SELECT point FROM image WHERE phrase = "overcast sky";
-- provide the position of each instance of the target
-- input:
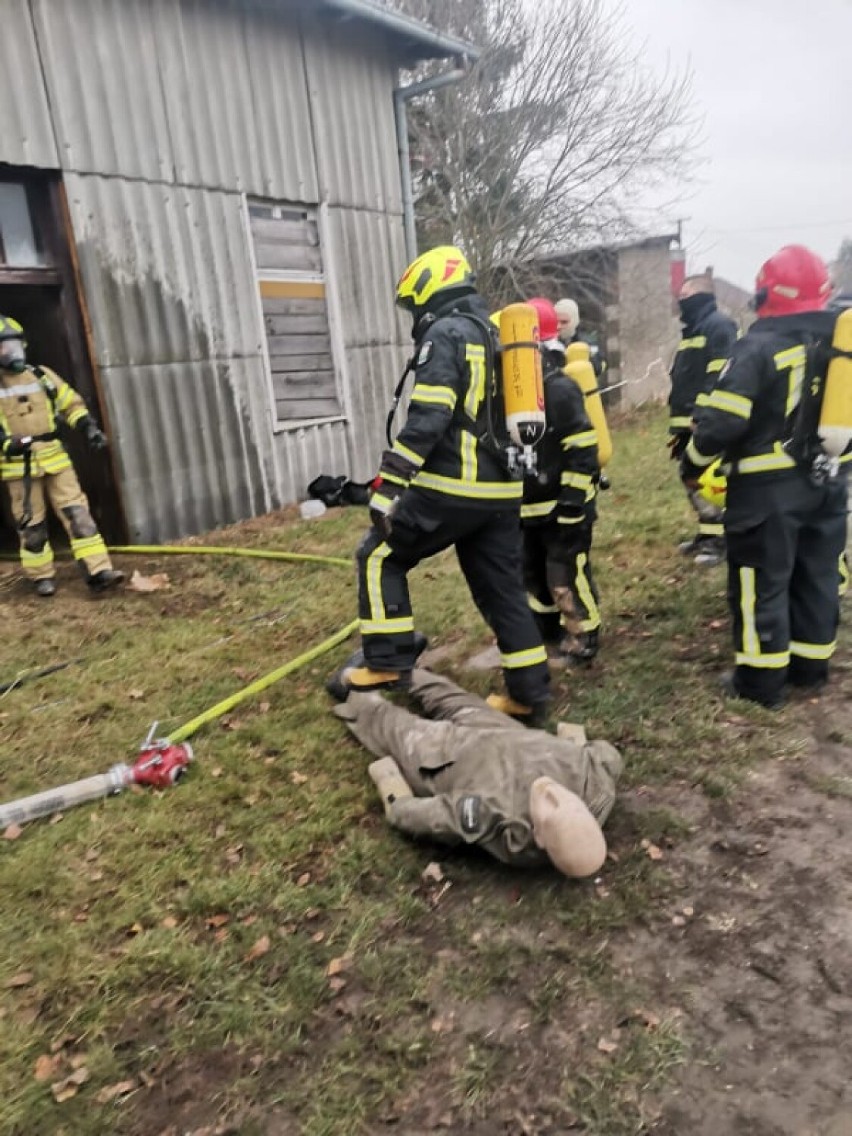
(773, 82)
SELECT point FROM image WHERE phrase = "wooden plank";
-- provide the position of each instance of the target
(286, 364)
(273, 307)
(305, 384)
(285, 232)
(307, 408)
(297, 258)
(292, 289)
(298, 344)
(297, 325)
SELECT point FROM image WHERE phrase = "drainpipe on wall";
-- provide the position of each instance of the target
(401, 96)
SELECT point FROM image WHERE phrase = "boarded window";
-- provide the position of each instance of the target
(295, 315)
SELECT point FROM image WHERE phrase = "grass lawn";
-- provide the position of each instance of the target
(255, 951)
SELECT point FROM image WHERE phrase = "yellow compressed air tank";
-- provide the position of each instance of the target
(523, 385)
(580, 369)
(835, 419)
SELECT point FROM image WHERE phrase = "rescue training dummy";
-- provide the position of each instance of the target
(445, 482)
(559, 511)
(780, 417)
(36, 468)
(706, 342)
(468, 774)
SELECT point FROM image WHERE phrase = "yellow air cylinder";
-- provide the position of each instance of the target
(835, 419)
(523, 385)
(580, 369)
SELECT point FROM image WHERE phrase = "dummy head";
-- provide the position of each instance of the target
(565, 829)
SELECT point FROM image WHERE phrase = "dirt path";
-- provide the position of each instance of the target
(761, 964)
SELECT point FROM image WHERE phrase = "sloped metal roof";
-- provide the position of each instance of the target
(415, 40)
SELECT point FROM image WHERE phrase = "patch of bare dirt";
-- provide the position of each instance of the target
(761, 963)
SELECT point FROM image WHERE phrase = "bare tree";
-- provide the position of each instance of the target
(541, 148)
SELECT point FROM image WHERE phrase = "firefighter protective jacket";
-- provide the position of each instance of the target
(567, 467)
(440, 443)
(701, 354)
(31, 405)
(750, 415)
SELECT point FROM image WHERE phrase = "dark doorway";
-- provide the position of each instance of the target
(39, 288)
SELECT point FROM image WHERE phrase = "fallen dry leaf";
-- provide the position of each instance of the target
(298, 778)
(607, 1046)
(303, 880)
(169, 922)
(12, 832)
(264, 707)
(136, 694)
(260, 948)
(338, 965)
(140, 583)
(66, 1089)
(22, 978)
(218, 920)
(652, 851)
(46, 1067)
(336, 984)
(119, 1089)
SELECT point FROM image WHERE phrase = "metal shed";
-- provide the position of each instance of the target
(200, 227)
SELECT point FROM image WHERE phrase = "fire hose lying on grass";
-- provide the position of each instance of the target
(163, 761)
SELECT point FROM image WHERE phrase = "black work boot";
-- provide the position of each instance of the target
(582, 648)
(105, 579)
(45, 587)
(730, 689)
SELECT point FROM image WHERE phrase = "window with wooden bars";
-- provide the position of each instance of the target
(290, 277)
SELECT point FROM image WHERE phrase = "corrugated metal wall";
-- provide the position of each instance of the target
(27, 133)
(165, 112)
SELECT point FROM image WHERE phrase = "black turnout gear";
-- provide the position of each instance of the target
(785, 530)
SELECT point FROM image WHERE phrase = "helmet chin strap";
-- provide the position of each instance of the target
(758, 299)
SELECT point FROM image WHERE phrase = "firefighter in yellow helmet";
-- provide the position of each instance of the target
(442, 483)
(36, 469)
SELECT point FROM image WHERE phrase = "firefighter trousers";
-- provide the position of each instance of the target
(68, 501)
(487, 542)
(785, 537)
(561, 588)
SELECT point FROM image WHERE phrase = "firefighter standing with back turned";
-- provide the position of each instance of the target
(440, 485)
(559, 511)
(36, 468)
(785, 519)
(706, 343)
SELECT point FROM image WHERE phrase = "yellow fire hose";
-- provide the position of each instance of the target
(257, 553)
(262, 683)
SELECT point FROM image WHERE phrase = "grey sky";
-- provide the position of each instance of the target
(773, 81)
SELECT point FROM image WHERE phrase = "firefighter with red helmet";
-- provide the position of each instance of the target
(443, 483)
(785, 516)
(36, 469)
(705, 344)
(559, 512)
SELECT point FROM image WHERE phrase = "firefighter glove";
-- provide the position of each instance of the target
(383, 503)
(17, 446)
(96, 439)
(677, 443)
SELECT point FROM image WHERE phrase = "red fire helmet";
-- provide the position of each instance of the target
(793, 280)
(547, 326)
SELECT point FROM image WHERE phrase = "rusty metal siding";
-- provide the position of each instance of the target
(27, 133)
(351, 80)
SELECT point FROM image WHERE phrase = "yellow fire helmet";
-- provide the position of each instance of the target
(713, 485)
(441, 269)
